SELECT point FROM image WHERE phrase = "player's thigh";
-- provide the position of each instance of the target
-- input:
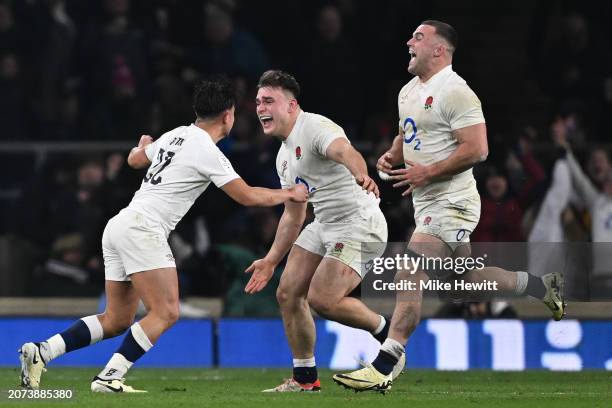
(299, 270)
(158, 289)
(428, 245)
(121, 303)
(333, 280)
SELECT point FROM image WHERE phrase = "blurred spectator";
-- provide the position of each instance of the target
(52, 64)
(223, 48)
(76, 204)
(83, 211)
(330, 73)
(171, 104)
(114, 58)
(499, 213)
(598, 166)
(570, 67)
(599, 204)
(526, 174)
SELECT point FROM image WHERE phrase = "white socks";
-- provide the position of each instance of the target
(393, 347)
(55, 346)
(304, 362)
(141, 337)
(52, 348)
(521, 282)
(116, 368)
(381, 325)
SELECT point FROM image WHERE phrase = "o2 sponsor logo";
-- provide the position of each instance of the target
(299, 180)
(410, 132)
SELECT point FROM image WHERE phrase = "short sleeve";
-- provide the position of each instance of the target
(216, 167)
(282, 165)
(324, 132)
(462, 108)
(151, 149)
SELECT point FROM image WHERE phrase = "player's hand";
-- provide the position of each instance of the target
(145, 140)
(415, 175)
(367, 184)
(384, 163)
(262, 271)
(299, 193)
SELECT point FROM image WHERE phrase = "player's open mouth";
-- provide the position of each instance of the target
(265, 120)
(412, 54)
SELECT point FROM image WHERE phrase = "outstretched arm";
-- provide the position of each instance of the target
(580, 181)
(341, 151)
(249, 196)
(287, 232)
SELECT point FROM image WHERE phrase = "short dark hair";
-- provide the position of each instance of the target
(212, 96)
(445, 31)
(276, 78)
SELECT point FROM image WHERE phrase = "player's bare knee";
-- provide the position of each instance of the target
(168, 313)
(286, 297)
(114, 325)
(282, 296)
(323, 305)
(172, 313)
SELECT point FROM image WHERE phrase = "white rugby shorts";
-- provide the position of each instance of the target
(451, 222)
(346, 240)
(134, 243)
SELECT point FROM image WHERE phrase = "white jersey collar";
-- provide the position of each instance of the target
(196, 129)
(296, 126)
(443, 73)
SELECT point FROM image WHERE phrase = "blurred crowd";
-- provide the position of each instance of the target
(111, 70)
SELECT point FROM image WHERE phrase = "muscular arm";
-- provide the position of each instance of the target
(137, 158)
(249, 196)
(287, 231)
(473, 149)
(341, 151)
(395, 155)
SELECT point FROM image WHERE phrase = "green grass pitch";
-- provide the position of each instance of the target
(176, 388)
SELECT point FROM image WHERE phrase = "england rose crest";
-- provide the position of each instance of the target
(428, 102)
(298, 153)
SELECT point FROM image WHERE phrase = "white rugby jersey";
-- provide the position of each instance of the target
(333, 192)
(183, 163)
(429, 113)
